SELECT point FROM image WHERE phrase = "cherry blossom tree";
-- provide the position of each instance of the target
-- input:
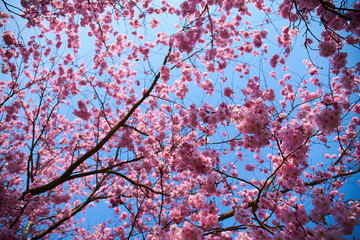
(197, 119)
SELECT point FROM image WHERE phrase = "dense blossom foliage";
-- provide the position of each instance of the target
(192, 119)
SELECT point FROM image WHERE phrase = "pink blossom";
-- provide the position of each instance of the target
(273, 74)
(327, 48)
(154, 23)
(269, 94)
(224, 33)
(327, 120)
(210, 54)
(314, 71)
(83, 113)
(165, 73)
(228, 92)
(248, 47)
(9, 38)
(242, 216)
(257, 40)
(263, 33)
(338, 62)
(207, 86)
(249, 167)
(274, 60)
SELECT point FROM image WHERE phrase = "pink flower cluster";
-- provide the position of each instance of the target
(247, 47)
(285, 10)
(228, 92)
(181, 89)
(154, 23)
(328, 119)
(269, 94)
(210, 54)
(286, 37)
(347, 217)
(257, 40)
(188, 157)
(8, 200)
(83, 113)
(188, 8)
(322, 205)
(12, 111)
(211, 182)
(307, 5)
(178, 214)
(215, 117)
(208, 215)
(165, 73)
(157, 233)
(327, 48)
(274, 60)
(9, 38)
(186, 42)
(349, 80)
(190, 232)
(242, 216)
(126, 140)
(252, 120)
(295, 217)
(207, 86)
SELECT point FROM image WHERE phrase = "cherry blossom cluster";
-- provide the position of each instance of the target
(327, 48)
(329, 119)
(83, 113)
(252, 120)
(208, 216)
(9, 38)
(186, 42)
(348, 80)
(242, 216)
(188, 157)
(338, 62)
